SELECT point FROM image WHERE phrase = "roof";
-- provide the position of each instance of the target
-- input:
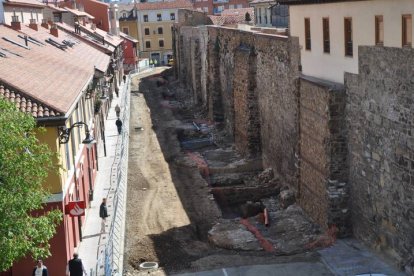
(176, 4)
(111, 39)
(262, 2)
(130, 38)
(234, 16)
(88, 36)
(237, 11)
(305, 2)
(79, 13)
(27, 105)
(56, 8)
(32, 3)
(49, 76)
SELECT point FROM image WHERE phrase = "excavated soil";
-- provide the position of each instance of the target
(170, 208)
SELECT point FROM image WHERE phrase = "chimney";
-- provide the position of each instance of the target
(44, 24)
(33, 24)
(15, 23)
(54, 30)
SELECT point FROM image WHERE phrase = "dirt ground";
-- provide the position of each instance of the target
(169, 207)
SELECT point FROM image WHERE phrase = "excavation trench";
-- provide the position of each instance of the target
(201, 198)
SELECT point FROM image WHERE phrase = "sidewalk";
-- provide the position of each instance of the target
(93, 242)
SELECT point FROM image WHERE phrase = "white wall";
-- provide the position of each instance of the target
(333, 65)
(152, 15)
(27, 14)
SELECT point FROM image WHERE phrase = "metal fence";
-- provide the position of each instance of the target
(111, 261)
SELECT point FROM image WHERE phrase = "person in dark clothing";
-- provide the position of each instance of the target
(119, 125)
(40, 269)
(124, 77)
(103, 214)
(75, 266)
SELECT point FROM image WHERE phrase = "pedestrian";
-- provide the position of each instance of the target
(117, 92)
(117, 110)
(40, 269)
(75, 266)
(155, 63)
(119, 125)
(124, 77)
(150, 62)
(103, 214)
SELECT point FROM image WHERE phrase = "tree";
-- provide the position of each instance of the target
(25, 229)
(247, 17)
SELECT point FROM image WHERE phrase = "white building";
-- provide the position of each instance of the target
(25, 11)
(330, 32)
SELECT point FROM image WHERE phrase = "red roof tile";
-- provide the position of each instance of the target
(44, 73)
(164, 5)
(25, 3)
(233, 16)
(27, 105)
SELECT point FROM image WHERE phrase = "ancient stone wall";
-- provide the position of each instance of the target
(381, 150)
(323, 189)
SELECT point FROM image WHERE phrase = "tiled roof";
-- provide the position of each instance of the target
(45, 73)
(88, 36)
(238, 11)
(164, 5)
(304, 2)
(262, 2)
(25, 3)
(130, 38)
(109, 38)
(79, 13)
(56, 8)
(236, 16)
(27, 105)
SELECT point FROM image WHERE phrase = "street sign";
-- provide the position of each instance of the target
(75, 208)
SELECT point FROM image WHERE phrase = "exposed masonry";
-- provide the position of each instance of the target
(347, 151)
(381, 150)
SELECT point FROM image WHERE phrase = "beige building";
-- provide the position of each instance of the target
(330, 33)
(154, 21)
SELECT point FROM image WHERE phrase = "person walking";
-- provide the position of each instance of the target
(117, 110)
(124, 78)
(103, 214)
(155, 62)
(40, 269)
(150, 62)
(75, 266)
(118, 123)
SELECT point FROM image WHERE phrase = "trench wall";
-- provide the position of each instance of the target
(381, 150)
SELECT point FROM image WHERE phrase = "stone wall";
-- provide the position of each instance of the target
(323, 190)
(381, 150)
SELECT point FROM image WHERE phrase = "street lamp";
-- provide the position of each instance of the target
(64, 135)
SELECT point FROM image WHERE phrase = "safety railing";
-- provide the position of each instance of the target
(111, 262)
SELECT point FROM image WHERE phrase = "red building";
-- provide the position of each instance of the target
(130, 52)
(57, 90)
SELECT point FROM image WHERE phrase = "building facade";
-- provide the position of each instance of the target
(154, 23)
(57, 105)
(26, 11)
(330, 33)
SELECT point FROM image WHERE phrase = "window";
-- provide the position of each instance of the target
(145, 18)
(124, 15)
(307, 34)
(161, 43)
(348, 37)
(407, 30)
(125, 30)
(159, 30)
(159, 18)
(239, 6)
(231, 6)
(326, 39)
(146, 30)
(205, 9)
(147, 44)
(379, 30)
(172, 16)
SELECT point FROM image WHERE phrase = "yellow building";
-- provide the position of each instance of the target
(153, 21)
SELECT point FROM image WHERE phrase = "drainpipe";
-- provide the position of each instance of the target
(2, 21)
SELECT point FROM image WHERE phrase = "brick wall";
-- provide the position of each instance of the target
(381, 150)
(323, 188)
